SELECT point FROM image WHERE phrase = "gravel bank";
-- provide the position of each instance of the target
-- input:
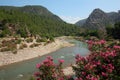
(28, 53)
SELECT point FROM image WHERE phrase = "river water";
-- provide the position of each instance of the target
(23, 70)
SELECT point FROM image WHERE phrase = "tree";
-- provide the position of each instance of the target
(114, 31)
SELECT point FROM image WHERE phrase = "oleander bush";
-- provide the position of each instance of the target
(48, 70)
(103, 63)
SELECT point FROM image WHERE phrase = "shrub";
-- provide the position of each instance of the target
(34, 45)
(29, 40)
(51, 39)
(4, 49)
(114, 32)
(95, 46)
(48, 70)
(8, 45)
(18, 41)
(43, 40)
(5, 43)
(23, 46)
(38, 40)
(14, 51)
(0, 45)
(102, 64)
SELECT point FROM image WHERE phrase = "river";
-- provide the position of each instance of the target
(23, 70)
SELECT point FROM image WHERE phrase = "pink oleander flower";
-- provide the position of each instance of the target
(68, 77)
(38, 65)
(76, 78)
(116, 47)
(109, 70)
(45, 61)
(54, 75)
(49, 58)
(91, 67)
(48, 62)
(98, 63)
(61, 79)
(90, 42)
(111, 66)
(103, 66)
(61, 61)
(88, 77)
(83, 73)
(80, 79)
(104, 74)
(102, 41)
(94, 78)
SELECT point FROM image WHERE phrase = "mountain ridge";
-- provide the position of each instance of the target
(32, 9)
(99, 19)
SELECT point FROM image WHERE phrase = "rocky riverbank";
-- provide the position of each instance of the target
(28, 53)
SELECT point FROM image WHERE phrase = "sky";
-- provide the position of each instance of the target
(70, 11)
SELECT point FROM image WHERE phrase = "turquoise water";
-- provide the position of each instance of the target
(23, 70)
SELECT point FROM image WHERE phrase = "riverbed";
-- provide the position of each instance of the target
(23, 70)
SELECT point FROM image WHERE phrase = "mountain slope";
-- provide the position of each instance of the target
(34, 20)
(98, 19)
(35, 10)
(81, 22)
(114, 16)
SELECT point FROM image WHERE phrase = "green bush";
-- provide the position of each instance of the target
(42, 40)
(14, 51)
(4, 43)
(34, 45)
(8, 45)
(38, 40)
(18, 41)
(114, 32)
(4, 49)
(23, 46)
(0, 45)
(29, 40)
(51, 39)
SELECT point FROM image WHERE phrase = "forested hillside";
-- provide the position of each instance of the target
(33, 20)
